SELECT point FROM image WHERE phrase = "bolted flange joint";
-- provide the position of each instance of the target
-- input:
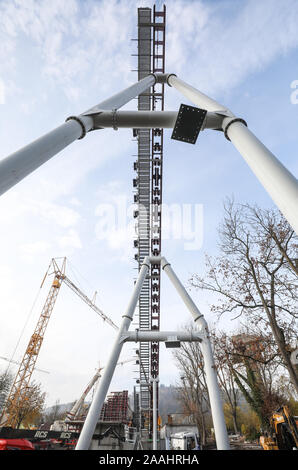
(162, 77)
(77, 119)
(228, 122)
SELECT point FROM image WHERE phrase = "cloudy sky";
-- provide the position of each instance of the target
(59, 58)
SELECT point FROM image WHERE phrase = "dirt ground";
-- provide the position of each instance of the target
(236, 444)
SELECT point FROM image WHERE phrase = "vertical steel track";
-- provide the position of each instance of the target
(158, 65)
(143, 198)
(148, 186)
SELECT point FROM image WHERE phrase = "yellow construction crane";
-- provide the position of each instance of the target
(20, 389)
(11, 361)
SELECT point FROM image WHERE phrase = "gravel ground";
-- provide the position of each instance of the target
(235, 445)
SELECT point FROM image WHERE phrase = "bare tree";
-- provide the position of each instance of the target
(6, 379)
(273, 225)
(193, 393)
(225, 375)
(55, 412)
(31, 405)
(254, 364)
(255, 276)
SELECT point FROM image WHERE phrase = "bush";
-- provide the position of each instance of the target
(250, 432)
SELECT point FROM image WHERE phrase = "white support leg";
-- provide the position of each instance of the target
(101, 392)
(21, 163)
(154, 411)
(197, 97)
(221, 435)
(280, 184)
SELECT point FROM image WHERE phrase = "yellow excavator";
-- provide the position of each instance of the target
(283, 434)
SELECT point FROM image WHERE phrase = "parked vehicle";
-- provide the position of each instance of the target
(283, 434)
(185, 441)
(16, 444)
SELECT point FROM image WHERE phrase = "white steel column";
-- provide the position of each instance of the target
(102, 389)
(276, 179)
(221, 435)
(158, 336)
(120, 99)
(154, 411)
(281, 185)
(148, 119)
(194, 95)
(21, 163)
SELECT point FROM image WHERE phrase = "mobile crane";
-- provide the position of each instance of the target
(74, 412)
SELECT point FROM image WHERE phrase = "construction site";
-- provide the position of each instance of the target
(106, 419)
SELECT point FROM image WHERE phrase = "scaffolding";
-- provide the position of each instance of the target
(115, 408)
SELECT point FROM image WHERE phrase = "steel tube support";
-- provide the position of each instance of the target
(154, 411)
(148, 119)
(280, 184)
(20, 164)
(120, 99)
(158, 336)
(221, 435)
(102, 389)
(136, 119)
(197, 97)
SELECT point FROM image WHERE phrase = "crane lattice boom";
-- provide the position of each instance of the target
(20, 389)
(89, 302)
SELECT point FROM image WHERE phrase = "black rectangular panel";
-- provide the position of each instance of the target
(188, 123)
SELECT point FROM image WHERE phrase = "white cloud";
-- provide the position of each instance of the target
(2, 92)
(60, 215)
(50, 212)
(71, 37)
(6, 278)
(75, 202)
(115, 224)
(29, 251)
(215, 50)
(69, 241)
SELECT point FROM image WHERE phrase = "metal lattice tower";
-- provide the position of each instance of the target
(158, 66)
(143, 199)
(151, 59)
